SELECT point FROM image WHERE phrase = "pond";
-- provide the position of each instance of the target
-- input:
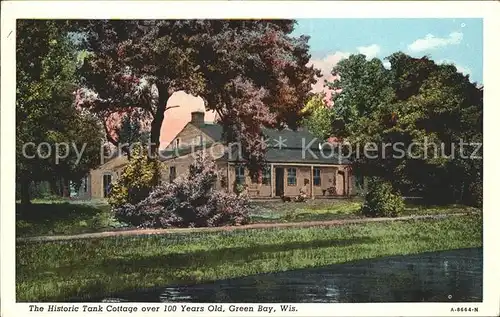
(448, 276)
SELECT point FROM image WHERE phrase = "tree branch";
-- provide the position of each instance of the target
(115, 142)
(109, 138)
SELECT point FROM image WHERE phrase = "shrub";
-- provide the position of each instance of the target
(137, 179)
(239, 188)
(189, 201)
(474, 196)
(382, 201)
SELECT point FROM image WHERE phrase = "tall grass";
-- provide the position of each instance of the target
(58, 271)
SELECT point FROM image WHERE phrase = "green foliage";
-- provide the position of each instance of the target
(318, 117)
(475, 194)
(60, 218)
(117, 264)
(37, 190)
(46, 64)
(239, 188)
(191, 200)
(382, 201)
(137, 180)
(253, 73)
(130, 131)
(417, 103)
(365, 86)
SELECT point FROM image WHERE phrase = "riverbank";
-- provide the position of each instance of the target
(86, 268)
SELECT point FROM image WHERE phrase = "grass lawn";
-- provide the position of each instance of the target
(58, 271)
(61, 217)
(326, 209)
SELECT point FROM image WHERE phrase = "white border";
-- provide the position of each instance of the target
(489, 10)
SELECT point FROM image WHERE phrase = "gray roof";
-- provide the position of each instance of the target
(212, 130)
(291, 155)
(168, 154)
(289, 138)
(283, 146)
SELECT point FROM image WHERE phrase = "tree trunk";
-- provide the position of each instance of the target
(65, 188)
(158, 118)
(54, 189)
(115, 142)
(462, 191)
(25, 192)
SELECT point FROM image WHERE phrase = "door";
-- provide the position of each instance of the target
(173, 174)
(106, 184)
(280, 181)
(342, 175)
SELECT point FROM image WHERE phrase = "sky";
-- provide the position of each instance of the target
(457, 41)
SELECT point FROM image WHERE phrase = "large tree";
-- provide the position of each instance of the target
(46, 63)
(252, 73)
(318, 117)
(363, 88)
(416, 101)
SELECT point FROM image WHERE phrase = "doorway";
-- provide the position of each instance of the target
(280, 181)
(342, 175)
(106, 184)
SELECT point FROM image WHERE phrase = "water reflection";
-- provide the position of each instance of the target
(450, 276)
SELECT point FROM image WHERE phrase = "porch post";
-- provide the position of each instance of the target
(272, 180)
(348, 181)
(227, 179)
(311, 182)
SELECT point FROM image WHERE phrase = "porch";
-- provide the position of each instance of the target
(290, 179)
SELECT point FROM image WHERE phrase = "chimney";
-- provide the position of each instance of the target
(198, 117)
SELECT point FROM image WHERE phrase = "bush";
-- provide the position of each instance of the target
(239, 188)
(189, 201)
(382, 201)
(474, 196)
(136, 181)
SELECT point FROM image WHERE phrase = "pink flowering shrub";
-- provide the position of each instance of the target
(189, 201)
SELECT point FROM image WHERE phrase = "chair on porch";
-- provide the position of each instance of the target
(330, 190)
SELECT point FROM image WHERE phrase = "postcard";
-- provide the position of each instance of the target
(249, 158)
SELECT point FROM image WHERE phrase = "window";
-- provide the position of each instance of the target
(106, 184)
(173, 173)
(240, 174)
(317, 176)
(266, 175)
(291, 177)
(177, 143)
(199, 140)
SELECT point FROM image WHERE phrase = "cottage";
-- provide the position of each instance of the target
(295, 162)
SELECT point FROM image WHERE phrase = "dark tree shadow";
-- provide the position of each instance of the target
(39, 213)
(43, 219)
(215, 257)
(179, 261)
